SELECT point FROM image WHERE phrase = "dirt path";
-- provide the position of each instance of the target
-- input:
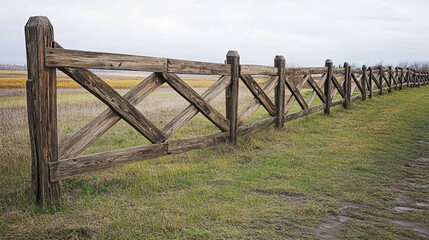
(411, 196)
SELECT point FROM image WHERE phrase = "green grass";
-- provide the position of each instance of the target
(273, 185)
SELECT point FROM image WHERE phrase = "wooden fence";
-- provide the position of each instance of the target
(52, 162)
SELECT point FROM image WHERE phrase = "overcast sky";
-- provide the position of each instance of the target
(306, 32)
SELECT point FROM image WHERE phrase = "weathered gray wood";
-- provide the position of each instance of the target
(337, 102)
(347, 85)
(77, 143)
(364, 80)
(327, 86)
(242, 130)
(313, 94)
(42, 110)
(231, 95)
(305, 112)
(89, 163)
(280, 64)
(195, 99)
(338, 70)
(380, 83)
(258, 70)
(193, 67)
(116, 102)
(296, 93)
(291, 100)
(306, 70)
(198, 142)
(357, 97)
(56, 57)
(187, 114)
(370, 83)
(358, 82)
(317, 89)
(390, 79)
(259, 94)
(338, 86)
(254, 104)
(400, 73)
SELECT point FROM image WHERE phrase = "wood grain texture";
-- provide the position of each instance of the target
(327, 86)
(198, 142)
(194, 67)
(347, 85)
(279, 96)
(78, 142)
(364, 80)
(296, 93)
(242, 130)
(89, 163)
(291, 100)
(187, 114)
(57, 57)
(313, 94)
(231, 95)
(305, 112)
(317, 89)
(258, 70)
(306, 70)
(338, 86)
(358, 82)
(254, 104)
(195, 99)
(42, 110)
(259, 94)
(116, 102)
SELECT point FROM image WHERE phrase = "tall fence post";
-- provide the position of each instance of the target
(280, 63)
(231, 95)
(363, 81)
(407, 77)
(381, 80)
(400, 77)
(370, 82)
(42, 109)
(327, 86)
(347, 85)
(390, 80)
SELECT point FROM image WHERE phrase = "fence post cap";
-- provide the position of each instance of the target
(328, 62)
(279, 57)
(232, 53)
(38, 21)
(364, 67)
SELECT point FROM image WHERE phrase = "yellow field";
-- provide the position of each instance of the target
(17, 79)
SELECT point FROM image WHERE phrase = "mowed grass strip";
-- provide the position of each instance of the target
(273, 185)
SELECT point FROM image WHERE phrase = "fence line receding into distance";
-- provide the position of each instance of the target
(52, 162)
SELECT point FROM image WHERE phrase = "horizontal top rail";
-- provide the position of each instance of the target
(307, 70)
(57, 57)
(259, 70)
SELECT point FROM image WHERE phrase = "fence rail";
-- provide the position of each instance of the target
(53, 162)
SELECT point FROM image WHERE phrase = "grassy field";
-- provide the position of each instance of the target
(360, 173)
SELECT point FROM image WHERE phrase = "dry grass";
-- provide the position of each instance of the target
(273, 185)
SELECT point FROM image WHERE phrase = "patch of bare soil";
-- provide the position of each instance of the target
(333, 226)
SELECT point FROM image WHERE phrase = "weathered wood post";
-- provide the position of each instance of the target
(327, 86)
(381, 80)
(347, 85)
(370, 83)
(42, 109)
(407, 77)
(231, 95)
(280, 63)
(363, 81)
(389, 83)
(400, 77)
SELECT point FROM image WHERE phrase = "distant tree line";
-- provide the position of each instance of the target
(13, 67)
